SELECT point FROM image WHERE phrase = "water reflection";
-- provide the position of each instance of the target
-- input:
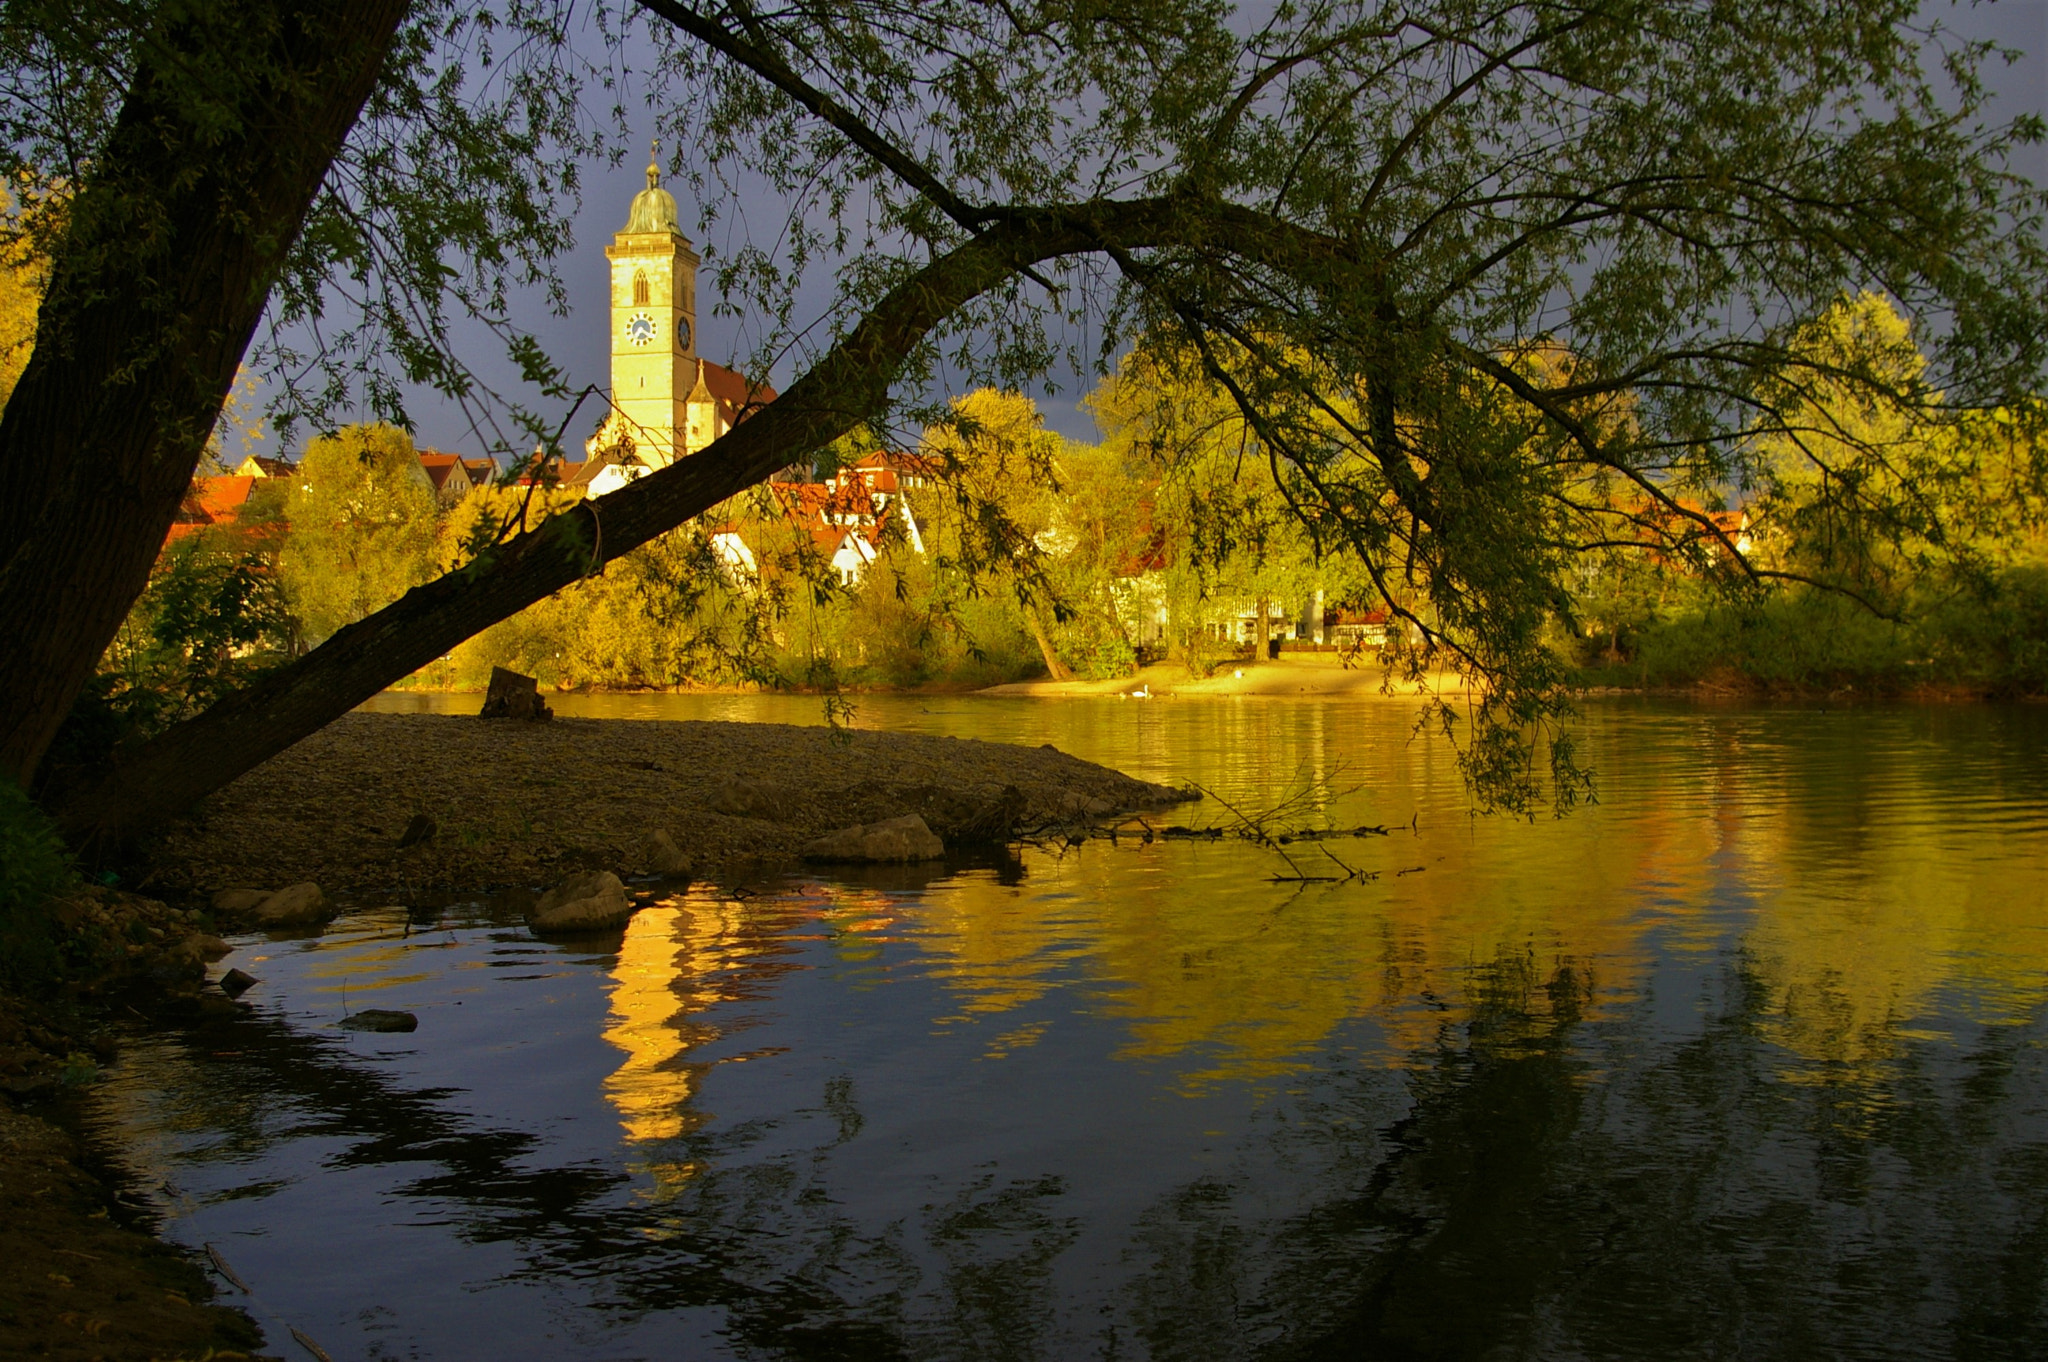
(1745, 1062)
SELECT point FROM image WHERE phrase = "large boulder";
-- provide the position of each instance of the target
(592, 902)
(238, 900)
(659, 855)
(296, 905)
(892, 839)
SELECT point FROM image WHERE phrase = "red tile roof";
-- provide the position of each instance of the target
(734, 389)
(212, 501)
(441, 467)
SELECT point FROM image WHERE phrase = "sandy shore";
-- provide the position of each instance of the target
(524, 804)
(1289, 674)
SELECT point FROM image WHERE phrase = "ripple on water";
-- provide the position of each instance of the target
(1756, 1038)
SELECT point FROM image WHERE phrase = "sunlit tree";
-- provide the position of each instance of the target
(363, 526)
(1356, 216)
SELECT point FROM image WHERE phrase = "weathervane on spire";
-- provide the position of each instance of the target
(653, 159)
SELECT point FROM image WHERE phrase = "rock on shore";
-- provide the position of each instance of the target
(893, 839)
(594, 902)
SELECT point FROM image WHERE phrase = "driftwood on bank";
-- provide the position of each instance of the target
(1140, 830)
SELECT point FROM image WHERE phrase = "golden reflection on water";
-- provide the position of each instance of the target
(1853, 910)
(651, 1089)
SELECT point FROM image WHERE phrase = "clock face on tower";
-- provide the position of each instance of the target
(682, 331)
(640, 328)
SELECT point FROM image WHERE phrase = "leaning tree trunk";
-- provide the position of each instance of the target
(172, 772)
(172, 246)
(847, 386)
(1054, 667)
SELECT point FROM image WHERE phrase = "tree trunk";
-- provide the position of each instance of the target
(1056, 669)
(178, 768)
(1264, 633)
(172, 246)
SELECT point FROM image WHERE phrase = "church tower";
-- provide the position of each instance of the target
(654, 327)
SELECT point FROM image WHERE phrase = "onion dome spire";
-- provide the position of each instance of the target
(654, 208)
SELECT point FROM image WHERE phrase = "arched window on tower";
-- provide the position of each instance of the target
(639, 288)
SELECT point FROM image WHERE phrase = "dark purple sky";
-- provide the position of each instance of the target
(578, 341)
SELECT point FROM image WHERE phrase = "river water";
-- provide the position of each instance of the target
(1745, 1061)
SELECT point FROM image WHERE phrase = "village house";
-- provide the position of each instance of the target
(455, 476)
(848, 516)
(447, 474)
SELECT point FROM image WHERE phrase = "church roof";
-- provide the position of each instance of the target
(654, 208)
(725, 385)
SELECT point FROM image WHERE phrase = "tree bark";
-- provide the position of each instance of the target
(172, 246)
(1056, 669)
(175, 770)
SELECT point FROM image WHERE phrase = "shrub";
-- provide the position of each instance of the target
(34, 868)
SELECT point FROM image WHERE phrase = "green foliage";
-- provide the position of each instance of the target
(35, 867)
(1459, 270)
(363, 525)
(213, 618)
(1099, 655)
(1990, 638)
(1997, 638)
(1889, 547)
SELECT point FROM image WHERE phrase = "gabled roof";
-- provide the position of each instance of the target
(221, 498)
(580, 473)
(731, 396)
(441, 468)
(887, 472)
(897, 461)
(212, 501)
(267, 467)
(718, 383)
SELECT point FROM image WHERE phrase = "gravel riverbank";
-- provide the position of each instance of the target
(523, 804)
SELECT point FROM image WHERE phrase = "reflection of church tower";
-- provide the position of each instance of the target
(665, 399)
(654, 315)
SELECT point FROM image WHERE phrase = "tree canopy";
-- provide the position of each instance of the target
(1481, 280)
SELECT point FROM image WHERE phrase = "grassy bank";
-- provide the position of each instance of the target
(1986, 645)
